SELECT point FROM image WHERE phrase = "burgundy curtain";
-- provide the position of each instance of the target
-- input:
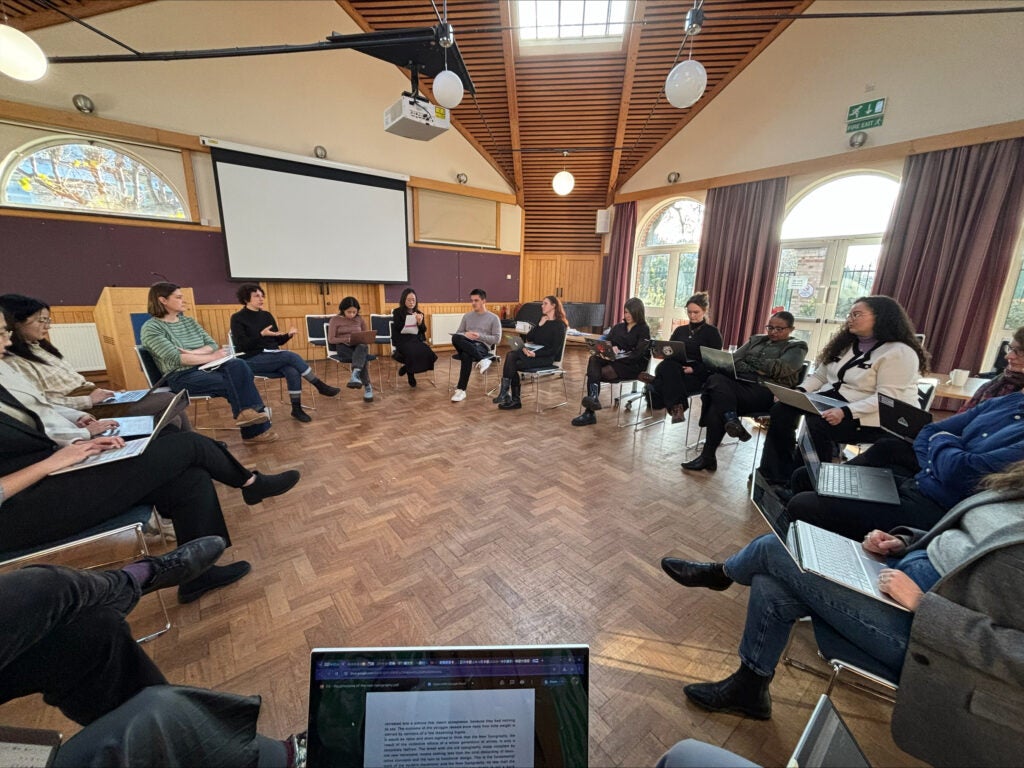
(950, 243)
(739, 255)
(615, 275)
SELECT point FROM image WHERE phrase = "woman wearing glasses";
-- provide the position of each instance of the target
(874, 352)
(1010, 380)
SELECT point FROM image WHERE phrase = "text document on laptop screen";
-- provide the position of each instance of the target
(288, 220)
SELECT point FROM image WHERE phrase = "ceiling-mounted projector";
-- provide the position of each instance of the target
(416, 119)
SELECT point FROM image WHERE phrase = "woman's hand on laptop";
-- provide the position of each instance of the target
(833, 415)
(100, 426)
(882, 543)
(900, 587)
(98, 395)
(73, 454)
(108, 443)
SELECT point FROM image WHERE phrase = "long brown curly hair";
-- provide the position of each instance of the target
(891, 324)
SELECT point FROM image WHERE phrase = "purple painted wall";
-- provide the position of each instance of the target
(440, 275)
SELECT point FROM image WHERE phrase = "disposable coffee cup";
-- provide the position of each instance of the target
(958, 377)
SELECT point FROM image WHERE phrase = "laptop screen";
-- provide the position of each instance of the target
(827, 742)
(459, 706)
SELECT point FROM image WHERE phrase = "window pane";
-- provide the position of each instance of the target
(679, 223)
(851, 205)
(685, 278)
(1015, 316)
(858, 276)
(798, 286)
(652, 279)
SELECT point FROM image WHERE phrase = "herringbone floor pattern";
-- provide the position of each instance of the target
(423, 522)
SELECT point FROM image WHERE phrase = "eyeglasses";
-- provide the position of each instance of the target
(855, 315)
(44, 320)
(777, 328)
(1014, 349)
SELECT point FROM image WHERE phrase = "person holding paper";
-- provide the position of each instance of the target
(257, 341)
(34, 357)
(408, 337)
(181, 347)
(478, 332)
(549, 333)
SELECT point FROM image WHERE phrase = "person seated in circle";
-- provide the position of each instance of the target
(180, 345)
(772, 356)
(408, 336)
(550, 334)
(339, 335)
(874, 352)
(258, 341)
(33, 356)
(676, 379)
(632, 337)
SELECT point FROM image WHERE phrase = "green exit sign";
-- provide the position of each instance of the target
(871, 108)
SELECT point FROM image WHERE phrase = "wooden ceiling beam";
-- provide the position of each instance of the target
(512, 95)
(625, 98)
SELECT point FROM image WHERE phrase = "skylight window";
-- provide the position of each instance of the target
(542, 21)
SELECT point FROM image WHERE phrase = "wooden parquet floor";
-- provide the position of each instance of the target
(424, 522)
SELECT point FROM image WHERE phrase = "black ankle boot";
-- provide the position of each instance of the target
(265, 486)
(734, 427)
(514, 401)
(412, 379)
(585, 419)
(300, 414)
(710, 463)
(503, 395)
(744, 692)
(324, 388)
(592, 401)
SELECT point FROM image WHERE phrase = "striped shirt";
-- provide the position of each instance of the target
(164, 341)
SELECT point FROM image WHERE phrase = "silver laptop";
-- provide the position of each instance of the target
(130, 449)
(827, 742)
(455, 706)
(901, 419)
(721, 361)
(805, 401)
(848, 481)
(133, 395)
(517, 342)
(815, 550)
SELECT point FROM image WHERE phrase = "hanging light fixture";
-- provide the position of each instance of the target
(20, 55)
(563, 182)
(688, 79)
(447, 87)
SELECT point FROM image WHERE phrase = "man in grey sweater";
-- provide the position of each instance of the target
(478, 332)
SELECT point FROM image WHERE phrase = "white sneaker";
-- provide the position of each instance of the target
(484, 364)
(459, 396)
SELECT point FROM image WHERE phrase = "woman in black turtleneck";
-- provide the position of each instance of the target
(674, 381)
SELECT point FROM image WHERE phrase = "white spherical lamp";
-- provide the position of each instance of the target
(563, 182)
(448, 89)
(20, 56)
(686, 83)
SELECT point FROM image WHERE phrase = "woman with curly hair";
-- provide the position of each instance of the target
(874, 352)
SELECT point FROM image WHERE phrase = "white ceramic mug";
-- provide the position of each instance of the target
(958, 377)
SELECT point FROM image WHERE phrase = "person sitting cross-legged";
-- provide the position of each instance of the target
(339, 335)
(549, 333)
(478, 332)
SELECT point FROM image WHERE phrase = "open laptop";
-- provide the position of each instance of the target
(827, 742)
(661, 350)
(362, 337)
(901, 419)
(604, 349)
(805, 401)
(130, 449)
(848, 481)
(133, 395)
(722, 361)
(455, 706)
(815, 550)
(517, 342)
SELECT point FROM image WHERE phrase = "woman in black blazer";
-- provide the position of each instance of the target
(408, 336)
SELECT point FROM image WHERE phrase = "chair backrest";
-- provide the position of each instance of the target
(561, 352)
(920, 338)
(1000, 363)
(926, 392)
(381, 325)
(316, 329)
(148, 365)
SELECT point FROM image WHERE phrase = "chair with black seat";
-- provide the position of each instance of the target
(381, 325)
(332, 355)
(83, 551)
(264, 378)
(152, 373)
(493, 356)
(537, 375)
(316, 333)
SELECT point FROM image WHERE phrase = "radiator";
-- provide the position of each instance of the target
(80, 345)
(442, 327)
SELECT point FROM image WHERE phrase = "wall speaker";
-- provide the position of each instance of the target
(604, 221)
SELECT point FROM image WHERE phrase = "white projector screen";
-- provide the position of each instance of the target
(286, 220)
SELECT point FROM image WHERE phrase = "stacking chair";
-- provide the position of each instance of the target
(926, 392)
(381, 325)
(332, 355)
(316, 333)
(264, 378)
(495, 363)
(547, 374)
(152, 373)
(106, 545)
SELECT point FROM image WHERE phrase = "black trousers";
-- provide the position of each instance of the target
(672, 386)
(779, 459)
(175, 474)
(599, 369)
(469, 352)
(516, 361)
(723, 394)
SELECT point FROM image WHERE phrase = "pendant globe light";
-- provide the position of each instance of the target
(688, 79)
(20, 55)
(563, 182)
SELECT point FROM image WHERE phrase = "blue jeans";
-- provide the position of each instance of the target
(780, 595)
(281, 363)
(232, 381)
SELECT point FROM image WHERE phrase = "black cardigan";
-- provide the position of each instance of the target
(398, 315)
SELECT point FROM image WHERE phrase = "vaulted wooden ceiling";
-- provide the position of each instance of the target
(608, 110)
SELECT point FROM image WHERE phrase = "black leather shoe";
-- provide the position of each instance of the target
(511, 404)
(266, 486)
(218, 576)
(585, 419)
(743, 693)
(183, 564)
(690, 574)
(701, 463)
(325, 389)
(735, 428)
(299, 414)
(402, 371)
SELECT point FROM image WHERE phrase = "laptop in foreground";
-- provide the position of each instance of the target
(848, 481)
(827, 742)
(449, 706)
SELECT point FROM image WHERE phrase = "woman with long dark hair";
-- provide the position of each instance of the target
(408, 335)
(549, 333)
(874, 352)
(339, 334)
(630, 338)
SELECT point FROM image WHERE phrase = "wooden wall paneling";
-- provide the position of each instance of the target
(540, 276)
(70, 314)
(216, 319)
(581, 278)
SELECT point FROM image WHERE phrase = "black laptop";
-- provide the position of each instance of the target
(901, 419)
(848, 481)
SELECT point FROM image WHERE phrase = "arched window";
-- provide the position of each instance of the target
(86, 175)
(831, 239)
(665, 263)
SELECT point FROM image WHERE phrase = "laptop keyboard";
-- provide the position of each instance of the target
(128, 449)
(838, 479)
(836, 556)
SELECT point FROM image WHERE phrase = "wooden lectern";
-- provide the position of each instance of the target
(117, 331)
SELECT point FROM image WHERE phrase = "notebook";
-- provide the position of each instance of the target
(805, 401)
(827, 742)
(848, 481)
(28, 747)
(815, 550)
(664, 349)
(901, 419)
(130, 449)
(454, 706)
(215, 364)
(132, 395)
(517, 342)
(604, 349)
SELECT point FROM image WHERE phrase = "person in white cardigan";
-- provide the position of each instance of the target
(875, 351)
